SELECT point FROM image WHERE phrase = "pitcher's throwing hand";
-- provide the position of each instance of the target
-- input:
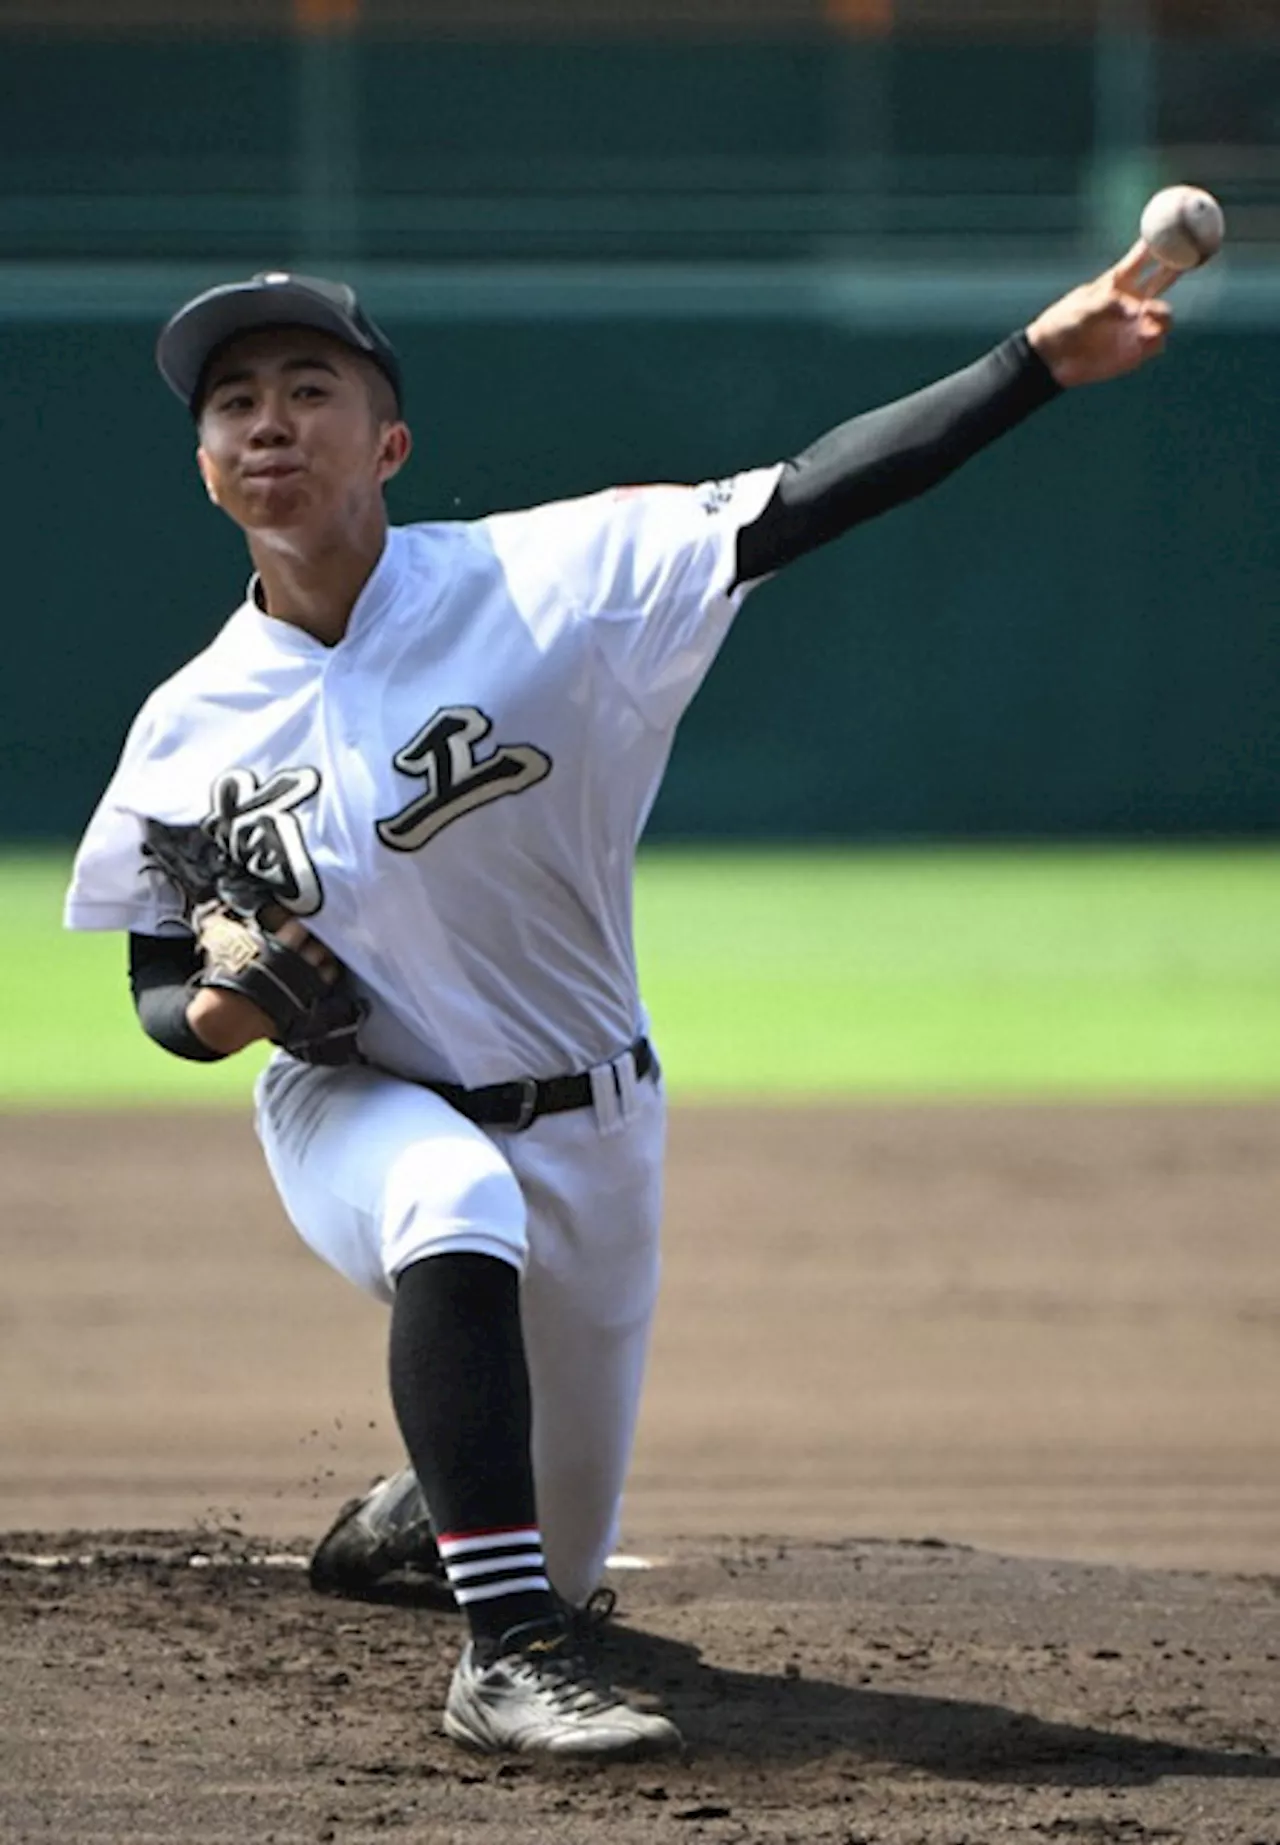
(1104, 329)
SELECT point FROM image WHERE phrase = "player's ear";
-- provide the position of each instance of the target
(394, 448)
(208, 476)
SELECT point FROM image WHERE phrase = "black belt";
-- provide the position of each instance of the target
(515, 1106)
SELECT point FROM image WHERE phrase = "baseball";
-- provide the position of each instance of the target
(1183, 226)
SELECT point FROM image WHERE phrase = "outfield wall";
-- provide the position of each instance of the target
(612, 262)
(1080, 634)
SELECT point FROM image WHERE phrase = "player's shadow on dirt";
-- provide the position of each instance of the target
(780, 1721)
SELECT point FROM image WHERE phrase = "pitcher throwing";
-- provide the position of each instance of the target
(387, 819)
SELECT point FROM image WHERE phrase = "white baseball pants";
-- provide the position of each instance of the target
(376, 1173)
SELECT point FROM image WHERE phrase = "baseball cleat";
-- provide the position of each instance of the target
(386, 1530)
(539, 1697)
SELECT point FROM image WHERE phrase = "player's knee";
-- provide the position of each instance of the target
(465, 1200)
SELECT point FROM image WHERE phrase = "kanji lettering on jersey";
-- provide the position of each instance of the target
(256, 824)
(443, 752)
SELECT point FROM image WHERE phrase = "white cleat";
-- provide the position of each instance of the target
(542, 1699)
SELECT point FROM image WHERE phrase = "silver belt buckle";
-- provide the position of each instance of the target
(528, 1104)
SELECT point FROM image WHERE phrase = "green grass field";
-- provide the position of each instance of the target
(947, 973)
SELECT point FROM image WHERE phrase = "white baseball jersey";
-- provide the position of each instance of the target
(451, 797)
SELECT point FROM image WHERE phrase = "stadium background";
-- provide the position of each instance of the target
(666, 240)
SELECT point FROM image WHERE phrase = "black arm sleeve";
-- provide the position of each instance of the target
(159, 968)
(888, 456)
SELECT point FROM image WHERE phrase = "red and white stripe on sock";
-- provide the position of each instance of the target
(484, 1566)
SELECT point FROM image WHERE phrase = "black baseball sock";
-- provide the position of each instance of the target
(460, 1387)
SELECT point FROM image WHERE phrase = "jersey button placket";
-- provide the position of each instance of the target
(337, 692)
(346, 748)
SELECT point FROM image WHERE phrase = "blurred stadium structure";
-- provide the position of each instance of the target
(662, 239)
(394, 132)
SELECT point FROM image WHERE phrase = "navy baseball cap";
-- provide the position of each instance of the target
(273, 299)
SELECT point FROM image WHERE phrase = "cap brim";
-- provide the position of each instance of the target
(197, 331)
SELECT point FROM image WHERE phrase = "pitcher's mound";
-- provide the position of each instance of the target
(189, 1687)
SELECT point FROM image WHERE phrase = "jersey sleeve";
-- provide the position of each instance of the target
(112, 886)
(663, 587)
(653, 571)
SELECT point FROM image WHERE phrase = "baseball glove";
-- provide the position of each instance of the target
(233, 916)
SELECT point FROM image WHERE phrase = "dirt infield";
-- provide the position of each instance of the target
(1045, 1333)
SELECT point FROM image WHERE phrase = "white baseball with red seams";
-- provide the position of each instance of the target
(1184, 226)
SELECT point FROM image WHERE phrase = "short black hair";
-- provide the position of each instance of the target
(383, 398)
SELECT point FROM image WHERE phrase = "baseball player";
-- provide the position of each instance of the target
(422, 758)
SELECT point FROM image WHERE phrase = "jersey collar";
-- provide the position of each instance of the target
(372, 601)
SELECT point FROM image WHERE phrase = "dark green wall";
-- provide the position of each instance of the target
(189, 146)
(1078, 635)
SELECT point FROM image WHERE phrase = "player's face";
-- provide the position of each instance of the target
(291, 438)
